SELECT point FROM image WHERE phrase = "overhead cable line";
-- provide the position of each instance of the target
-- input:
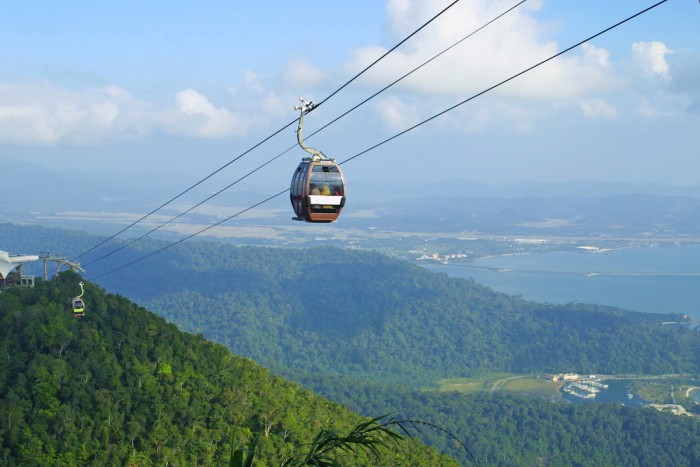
(131, 263)
(141, 219)
(317, 131)
(568, 49)
(388, 52)
(187, 211)
(418, 67)
(267, 138)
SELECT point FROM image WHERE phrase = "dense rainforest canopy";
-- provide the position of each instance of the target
(370, 332)
(360, 313)
(121, 386)
(509, 430)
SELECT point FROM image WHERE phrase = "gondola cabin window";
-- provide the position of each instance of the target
(327, 179)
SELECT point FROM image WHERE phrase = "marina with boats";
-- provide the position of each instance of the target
(581, 389)
(594, 388)
(588, 388)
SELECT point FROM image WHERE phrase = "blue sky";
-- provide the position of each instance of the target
(172, 90)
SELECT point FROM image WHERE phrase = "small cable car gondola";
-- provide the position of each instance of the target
(78, 303)
(317, 191)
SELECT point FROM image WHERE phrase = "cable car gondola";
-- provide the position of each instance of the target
(78, 303)
(317, 191)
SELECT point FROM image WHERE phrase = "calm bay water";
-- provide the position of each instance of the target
(663, 279)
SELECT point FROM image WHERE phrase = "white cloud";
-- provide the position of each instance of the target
(204, 119)
(597, 108)
(396, 114)
(646, 109)
(38, 114)
(652, 58)
(596, 55)
(512, 44)
(506, 114)
(299, 74)
(252, 81)
(587, 82)
(277, 106)
(43, 114)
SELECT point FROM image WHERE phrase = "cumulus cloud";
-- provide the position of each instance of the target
(651, 56)
(38, 114)
(43, 114)
(278, 106)
(510, 45)
(252, 82)
(507, 114)
(204, 119)
(396, 114)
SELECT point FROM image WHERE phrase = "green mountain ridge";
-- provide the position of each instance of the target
(367, 331)
(121, 386)
(360, 313)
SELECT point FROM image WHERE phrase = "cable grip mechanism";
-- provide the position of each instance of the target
(305, 107)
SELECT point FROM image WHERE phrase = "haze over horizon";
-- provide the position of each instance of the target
(174, 91)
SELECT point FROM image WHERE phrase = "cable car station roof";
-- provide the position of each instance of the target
(9, 262)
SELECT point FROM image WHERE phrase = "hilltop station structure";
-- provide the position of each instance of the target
(10, 263)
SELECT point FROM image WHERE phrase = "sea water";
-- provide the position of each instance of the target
(663, 279)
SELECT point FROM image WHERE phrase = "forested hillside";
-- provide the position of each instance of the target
(360, 313)
(507, 430)
(121, 386)
(346, 322)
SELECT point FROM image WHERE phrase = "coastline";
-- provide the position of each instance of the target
(646, 279)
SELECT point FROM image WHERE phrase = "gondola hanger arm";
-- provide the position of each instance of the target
(305, 108)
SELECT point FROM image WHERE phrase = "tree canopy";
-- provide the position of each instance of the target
(122, 386)
(361, 313)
